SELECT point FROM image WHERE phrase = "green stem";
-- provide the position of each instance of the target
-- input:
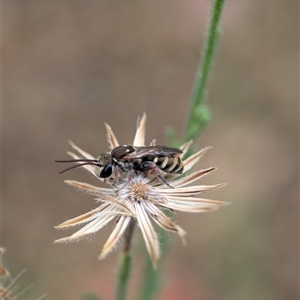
(125, 264)
(152, 277)
(151, 281)
(197, 120)
(123, 276)
(199, 114)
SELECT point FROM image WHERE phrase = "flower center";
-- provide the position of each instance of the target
(138, 191)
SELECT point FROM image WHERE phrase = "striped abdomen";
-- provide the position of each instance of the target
(171, 164)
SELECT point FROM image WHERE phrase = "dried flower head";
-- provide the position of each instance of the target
(10, 287)
(5, 291)
(141, 197)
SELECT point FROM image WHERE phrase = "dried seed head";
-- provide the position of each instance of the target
(138, 191)
(141, 199)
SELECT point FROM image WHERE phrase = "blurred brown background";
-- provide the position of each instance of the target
(70, 66)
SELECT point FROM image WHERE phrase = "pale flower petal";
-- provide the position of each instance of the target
(87, 217)
(111, 138)
(191, 177)
(148, 232)
(153, 143)
(163, 221)
(99, 222)
(185, 147)
(88, 188)
(192, 204)
(82, 152)
(139, 139)
(115, 236)
(185, 199)
(190, 190)
(190, 208)
(193, 159)
(115, 202)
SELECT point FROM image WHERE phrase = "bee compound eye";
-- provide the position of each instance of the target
(106, 171)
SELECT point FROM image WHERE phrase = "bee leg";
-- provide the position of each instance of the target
(161, 178)
(116, 174)
(149, 165)
(128, 179)
(129, 176)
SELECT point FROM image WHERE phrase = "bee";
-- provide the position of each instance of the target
(129, 158)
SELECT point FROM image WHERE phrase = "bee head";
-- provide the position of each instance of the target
(105, 160)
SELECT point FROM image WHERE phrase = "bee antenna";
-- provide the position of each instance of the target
(75, 160)
(84, 162)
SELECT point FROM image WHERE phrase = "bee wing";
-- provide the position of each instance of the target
(154, 151)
